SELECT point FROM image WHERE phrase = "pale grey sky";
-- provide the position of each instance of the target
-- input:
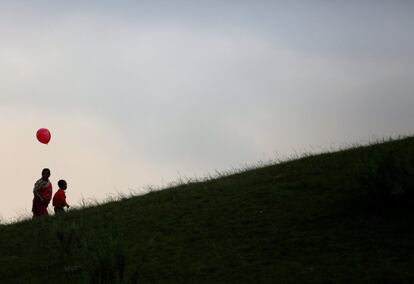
(140, 92)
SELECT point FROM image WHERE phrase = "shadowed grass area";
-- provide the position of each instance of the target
(316, 219)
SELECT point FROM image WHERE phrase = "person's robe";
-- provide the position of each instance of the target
(44, 189)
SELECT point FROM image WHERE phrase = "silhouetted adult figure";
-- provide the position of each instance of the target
(42, 194)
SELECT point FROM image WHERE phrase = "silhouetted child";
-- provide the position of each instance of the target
(59, 199)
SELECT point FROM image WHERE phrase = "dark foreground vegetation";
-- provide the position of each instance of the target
(343, 217)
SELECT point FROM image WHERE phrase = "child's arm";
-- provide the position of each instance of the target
(64, 200)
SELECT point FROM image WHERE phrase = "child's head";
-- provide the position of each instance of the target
(62, 184)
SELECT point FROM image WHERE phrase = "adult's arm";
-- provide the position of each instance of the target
(38, 187)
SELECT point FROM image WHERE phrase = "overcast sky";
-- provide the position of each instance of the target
(140, 93)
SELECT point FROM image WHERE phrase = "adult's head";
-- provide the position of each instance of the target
(62, 184)
(45, 174)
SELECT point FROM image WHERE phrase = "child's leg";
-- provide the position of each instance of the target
(59, 210)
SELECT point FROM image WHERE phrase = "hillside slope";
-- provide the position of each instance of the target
(303, 221)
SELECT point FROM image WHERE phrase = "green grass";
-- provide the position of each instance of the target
(309, 220)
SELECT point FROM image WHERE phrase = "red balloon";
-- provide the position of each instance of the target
(43, 135)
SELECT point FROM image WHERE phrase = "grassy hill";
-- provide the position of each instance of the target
(343, 217)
